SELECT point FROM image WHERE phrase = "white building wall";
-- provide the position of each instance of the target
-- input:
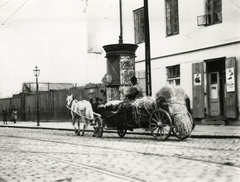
(191, 36)
(193, 43)
(186, 60)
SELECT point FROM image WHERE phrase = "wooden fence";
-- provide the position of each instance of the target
(52, 104)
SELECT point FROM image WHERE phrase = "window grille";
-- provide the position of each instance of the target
(173, 75)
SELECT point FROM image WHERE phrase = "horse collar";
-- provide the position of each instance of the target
(70, 105)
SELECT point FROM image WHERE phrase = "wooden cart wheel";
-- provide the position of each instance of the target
(121, 132)
(98, 127)
(160, 124)
(178, 134)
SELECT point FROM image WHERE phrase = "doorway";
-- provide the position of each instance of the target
(216, 84)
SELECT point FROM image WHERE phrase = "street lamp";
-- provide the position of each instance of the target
(36, 74)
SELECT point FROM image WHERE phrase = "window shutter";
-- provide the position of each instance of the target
(231, 95)
(139, 25)
(136, 27)
(198, 90)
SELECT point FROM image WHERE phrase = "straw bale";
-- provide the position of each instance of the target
(173, 100)
(111, 105)
(180, 93)
(176, 105)
(183, 124)
(166, 92)
(169, 92)
(145, 102)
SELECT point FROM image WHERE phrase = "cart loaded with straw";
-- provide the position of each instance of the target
(168, 114)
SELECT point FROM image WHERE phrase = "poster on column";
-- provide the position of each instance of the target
(230, 80)
(197, 79)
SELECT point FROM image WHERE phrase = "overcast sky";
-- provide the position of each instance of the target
(51, 34)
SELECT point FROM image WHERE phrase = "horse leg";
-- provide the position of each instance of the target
(73, 123)
(79, 131)
(84, 126)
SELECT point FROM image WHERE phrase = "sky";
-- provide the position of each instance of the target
(53, 35)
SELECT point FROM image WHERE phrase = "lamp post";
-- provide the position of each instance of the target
(36, 74)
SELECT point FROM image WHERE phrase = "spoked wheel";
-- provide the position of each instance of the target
(121, 132)
(178, 134)
(98, 127)
(160, 124)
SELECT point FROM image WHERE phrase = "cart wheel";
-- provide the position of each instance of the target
(178, 134)
(121, 132)
(98, 127)
(160, 124)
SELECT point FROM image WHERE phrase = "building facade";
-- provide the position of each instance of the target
(194, 44)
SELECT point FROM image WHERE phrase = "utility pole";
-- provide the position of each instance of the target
(147, 51)
(121, 27)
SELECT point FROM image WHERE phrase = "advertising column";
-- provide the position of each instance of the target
(120, 67)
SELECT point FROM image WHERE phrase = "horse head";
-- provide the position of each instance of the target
(69, 100)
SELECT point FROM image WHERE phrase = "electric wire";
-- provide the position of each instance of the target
(15, 12)
(4, 3)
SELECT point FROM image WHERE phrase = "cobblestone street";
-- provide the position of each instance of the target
(46, 155)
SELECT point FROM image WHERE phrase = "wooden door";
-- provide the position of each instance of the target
(214, 97)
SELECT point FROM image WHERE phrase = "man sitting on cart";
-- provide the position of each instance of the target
(135, 92)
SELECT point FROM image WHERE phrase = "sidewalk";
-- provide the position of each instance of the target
(200, 131)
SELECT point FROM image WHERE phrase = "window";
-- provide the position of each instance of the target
(172, 23)
(213, 11)
(173, 75)
(139, 28)
(141, 80)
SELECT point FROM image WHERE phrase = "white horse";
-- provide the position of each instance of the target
(80, 110)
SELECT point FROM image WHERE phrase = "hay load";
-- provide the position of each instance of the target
(106, 109)
(147, 103)
(141, 109)
(173, 100)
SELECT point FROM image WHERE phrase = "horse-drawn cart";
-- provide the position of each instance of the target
(162, 117)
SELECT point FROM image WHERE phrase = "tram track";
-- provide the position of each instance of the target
(127, 140)
(166, 144)
(69, 162)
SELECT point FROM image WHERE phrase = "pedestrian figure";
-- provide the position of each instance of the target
(14, 116)
(5, 115)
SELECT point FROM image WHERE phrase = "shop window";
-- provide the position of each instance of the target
(172, 22)
(173, 75)
(139, 28)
